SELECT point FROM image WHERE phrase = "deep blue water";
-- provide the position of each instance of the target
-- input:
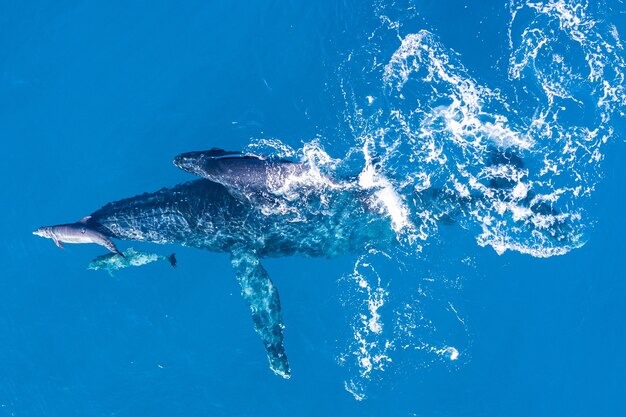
(96, 100)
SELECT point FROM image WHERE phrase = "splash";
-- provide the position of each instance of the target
(459, 138)
(388, 324)
(369, 350)
(310, 190)
(385, 198)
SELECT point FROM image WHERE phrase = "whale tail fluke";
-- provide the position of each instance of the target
(172, 260)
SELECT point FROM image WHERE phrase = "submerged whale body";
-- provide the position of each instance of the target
(131, 257)
(208, 215)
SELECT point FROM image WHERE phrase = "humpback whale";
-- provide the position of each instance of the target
(238, 171)
(223, 212)
(238, 207)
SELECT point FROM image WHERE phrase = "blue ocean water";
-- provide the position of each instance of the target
(514, 309)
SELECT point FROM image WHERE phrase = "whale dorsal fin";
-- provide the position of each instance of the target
(262, 298)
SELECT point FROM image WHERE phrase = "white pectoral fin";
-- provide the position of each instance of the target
(58, 243)
(262, 298)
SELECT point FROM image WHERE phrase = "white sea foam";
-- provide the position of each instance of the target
(385, 198)
(369, 352)
(451, 140)
(572, 56)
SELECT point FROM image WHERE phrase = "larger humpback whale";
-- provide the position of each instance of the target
(240, 207)
(235, 211)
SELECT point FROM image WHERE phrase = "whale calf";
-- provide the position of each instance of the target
(76, 233)
(238, 171)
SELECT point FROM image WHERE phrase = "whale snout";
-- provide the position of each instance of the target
(40, 232)
(187, 161)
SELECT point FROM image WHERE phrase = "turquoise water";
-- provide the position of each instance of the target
(510, 303)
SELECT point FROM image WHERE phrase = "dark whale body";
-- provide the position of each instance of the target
(206, 215)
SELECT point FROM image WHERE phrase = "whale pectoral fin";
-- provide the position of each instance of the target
(59, 244)
(262, 298)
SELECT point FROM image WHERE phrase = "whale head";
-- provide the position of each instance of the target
(190, 161)
(208, 163)
(45, 231)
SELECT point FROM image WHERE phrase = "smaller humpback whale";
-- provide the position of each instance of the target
(76, 233)
(111, 262)
(238, 171)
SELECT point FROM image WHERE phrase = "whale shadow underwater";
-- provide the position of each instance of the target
(240, 207)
